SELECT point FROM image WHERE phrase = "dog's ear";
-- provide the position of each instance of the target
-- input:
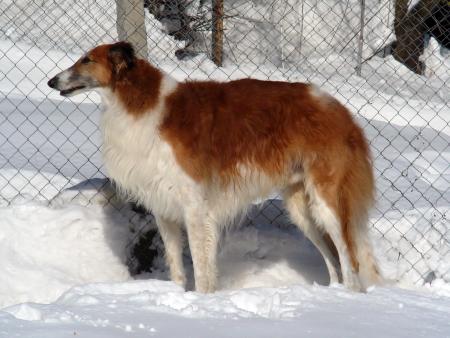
(122, 56)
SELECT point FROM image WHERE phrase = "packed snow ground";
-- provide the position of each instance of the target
(161, 309)
(64, 269)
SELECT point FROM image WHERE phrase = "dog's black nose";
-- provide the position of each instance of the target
(53, 82)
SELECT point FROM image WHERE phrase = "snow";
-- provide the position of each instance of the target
(158, 308)
(44, 251)
(64, 237)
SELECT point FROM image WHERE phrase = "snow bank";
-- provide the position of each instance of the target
(45, 251)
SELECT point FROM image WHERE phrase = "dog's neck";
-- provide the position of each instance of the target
(138, 89)
(138, 95)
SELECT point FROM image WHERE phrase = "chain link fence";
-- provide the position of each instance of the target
(387, 61)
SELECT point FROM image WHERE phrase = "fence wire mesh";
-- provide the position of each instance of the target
(388, 61)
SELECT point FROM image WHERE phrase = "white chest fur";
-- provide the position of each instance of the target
(142, 163)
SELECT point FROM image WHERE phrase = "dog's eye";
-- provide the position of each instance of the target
(85, 60)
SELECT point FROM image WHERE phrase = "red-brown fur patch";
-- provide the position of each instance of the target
(138, 89)
(270, 125)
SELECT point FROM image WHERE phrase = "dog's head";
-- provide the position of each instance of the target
(98, 68)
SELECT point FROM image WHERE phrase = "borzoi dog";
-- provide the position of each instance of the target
(197, 153)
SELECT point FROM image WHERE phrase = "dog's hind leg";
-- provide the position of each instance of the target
(325, 215)
(171, 235)
(296, 203)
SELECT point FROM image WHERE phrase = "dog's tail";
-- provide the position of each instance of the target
(357, 197)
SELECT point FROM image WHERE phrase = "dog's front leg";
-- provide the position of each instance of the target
(171, 234)
(203, 241)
